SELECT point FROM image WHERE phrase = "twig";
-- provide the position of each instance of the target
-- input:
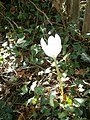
(41, 12)
(8, 21)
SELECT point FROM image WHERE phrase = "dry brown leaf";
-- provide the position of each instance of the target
(20, 73)
(80, 71)
(56, 4)
(24, 114)
(13, 9)
(21, 116)
(64, 98)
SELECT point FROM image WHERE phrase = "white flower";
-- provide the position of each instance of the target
(54, 46)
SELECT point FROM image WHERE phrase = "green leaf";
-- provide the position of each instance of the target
(1, 59)
(44, 101)
(2, 104)
(70, 109)
(21, 35)
(85, 57)
(73, 91)
(80, 101)
(39, 90)
(69, 101)
(71, 71)
(87, 92)
(45, 111)
(34, 101)
(34, 114)
(52, 96)
(62, 115)
(78, 111)
(76, 118)
(13, 78)
(65, 45)
(7, 109)
(24, 90)
(16, 52)
(7, 116)
(51, 102)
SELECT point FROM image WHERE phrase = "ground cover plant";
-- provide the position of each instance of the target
(42, 80)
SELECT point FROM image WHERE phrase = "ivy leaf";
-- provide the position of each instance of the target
(52, 96)
(39, 90)
(24, 90)
(85, 57)
(87, 92)
(51, 102)
(2, 104)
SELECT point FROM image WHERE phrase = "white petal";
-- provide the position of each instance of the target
(44, 47)
(58, 43)
(54, 46)
(48, 51)
(57, 36)
(58, 40)
(43, 44)
(51, 41)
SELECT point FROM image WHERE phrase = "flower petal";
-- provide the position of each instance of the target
(58, 39)
(51, 46)
(51, 41)
(44, 47)
(58, 42)
(54, 46)
(43, 44)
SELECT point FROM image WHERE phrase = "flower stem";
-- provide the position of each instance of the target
(59, 79)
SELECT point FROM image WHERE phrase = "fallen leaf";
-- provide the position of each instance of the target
(21, 116)
(20, 73)
(80, 71)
